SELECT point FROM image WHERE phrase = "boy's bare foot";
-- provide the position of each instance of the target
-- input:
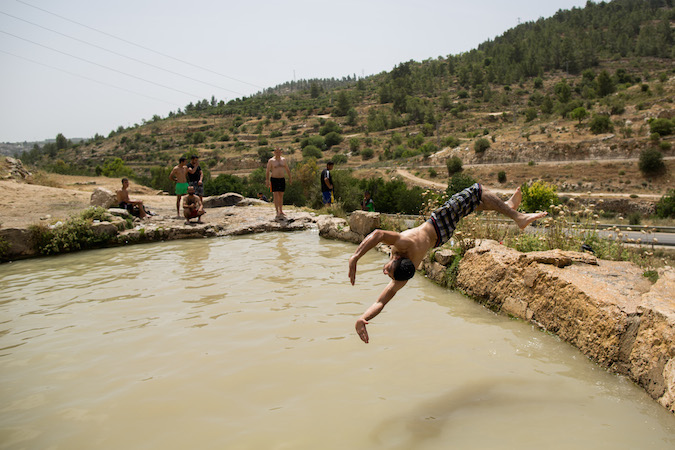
(525, 219)
(516, 198)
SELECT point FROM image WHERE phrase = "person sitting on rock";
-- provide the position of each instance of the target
(192, 206)
(409, 248)
(135, 207)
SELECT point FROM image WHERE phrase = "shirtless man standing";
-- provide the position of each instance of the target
(179, 176)
(409, 247)
(130, 205)
(276, 167)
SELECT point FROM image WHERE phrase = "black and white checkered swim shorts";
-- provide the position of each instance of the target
(445, 218)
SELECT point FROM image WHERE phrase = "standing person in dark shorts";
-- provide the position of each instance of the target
(195, 176)
(179, 176)
(409, 248)
(277, 167)
(327, 184)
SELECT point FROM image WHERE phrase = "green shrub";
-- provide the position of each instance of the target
(501, 176)
(450, 141)
(651, 162)
(458, 182)
(332, 139)
(663, 127)
(665, 207)
(311, 151)
(367, 153)
(601, 124)
(539, 196)
(481, 145)
(454, 165)
(634, 218)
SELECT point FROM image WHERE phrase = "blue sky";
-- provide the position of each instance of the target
(81, 67)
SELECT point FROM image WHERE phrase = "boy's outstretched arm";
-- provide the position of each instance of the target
(387, 294)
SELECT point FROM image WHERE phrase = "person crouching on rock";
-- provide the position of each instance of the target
(192, 206)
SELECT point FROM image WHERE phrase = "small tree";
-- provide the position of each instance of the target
(501, 176)
(579, 114)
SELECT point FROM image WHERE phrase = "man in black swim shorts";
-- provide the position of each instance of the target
(409, 248)
(277, 167)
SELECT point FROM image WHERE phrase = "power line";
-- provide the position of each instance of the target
(100, 65)
(120, 54)
(87, 78)
(140, 46)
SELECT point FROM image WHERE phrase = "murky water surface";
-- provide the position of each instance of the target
(248, 343)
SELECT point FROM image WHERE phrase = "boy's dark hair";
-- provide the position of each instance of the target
(404, 269)
(181, 159)
(124, 179)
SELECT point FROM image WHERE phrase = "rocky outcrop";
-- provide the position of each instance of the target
(12, 168)
(17, 243)
(103, 198)
(218, 201)
(607, 309)
(360, 224)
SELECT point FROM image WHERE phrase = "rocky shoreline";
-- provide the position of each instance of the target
(606, 309)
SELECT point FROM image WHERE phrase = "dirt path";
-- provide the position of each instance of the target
(417, 181)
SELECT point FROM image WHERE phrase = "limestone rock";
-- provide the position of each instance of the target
(14, 169)
(104, 228)
(445, 256)
(364, 222)
(18, 244)
(606, 309)
(336, 228)
(103, 197)
(218, 201)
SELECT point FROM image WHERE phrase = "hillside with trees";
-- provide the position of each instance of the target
(590, 89)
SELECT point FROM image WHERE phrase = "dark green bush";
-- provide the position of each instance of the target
(665, 207)
(651, 162)
(601, 123)
(663, 127)
(458, 182)
(454, 165)
(481, 145)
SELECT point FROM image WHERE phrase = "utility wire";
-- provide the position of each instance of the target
(87, 78)
(140, 46)
(100, 65)
(120, 54)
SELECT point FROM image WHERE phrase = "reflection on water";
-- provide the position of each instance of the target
(248, 343)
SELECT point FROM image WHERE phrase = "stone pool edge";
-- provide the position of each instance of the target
(606, 309)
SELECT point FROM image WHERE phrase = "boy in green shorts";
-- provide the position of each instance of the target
(179, 176)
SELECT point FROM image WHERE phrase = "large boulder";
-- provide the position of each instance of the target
(218, 201)
(15, 243)
(336, 228)
(103, 197)
(363, 222)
